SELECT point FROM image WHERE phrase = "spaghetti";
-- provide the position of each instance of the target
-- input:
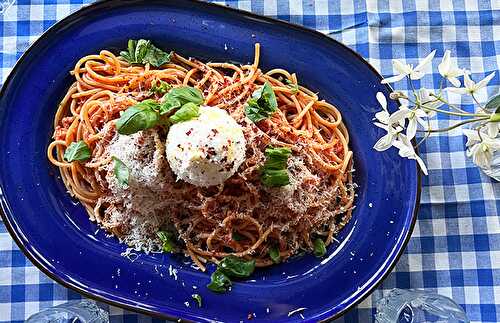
(240, 217)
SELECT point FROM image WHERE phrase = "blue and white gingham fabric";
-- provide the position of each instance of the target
(455, 247)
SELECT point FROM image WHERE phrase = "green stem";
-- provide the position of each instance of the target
(456, 125)
(460, 114)
(454, 107)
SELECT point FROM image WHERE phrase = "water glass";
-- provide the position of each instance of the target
(81, 311)
(416, 306)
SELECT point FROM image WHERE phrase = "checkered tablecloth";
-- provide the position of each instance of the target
(455, 247)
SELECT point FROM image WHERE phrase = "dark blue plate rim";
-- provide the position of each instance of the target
(7, 214)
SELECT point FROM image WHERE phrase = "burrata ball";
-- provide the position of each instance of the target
(207, 150)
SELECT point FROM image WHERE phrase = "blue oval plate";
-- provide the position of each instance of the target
(56, 235)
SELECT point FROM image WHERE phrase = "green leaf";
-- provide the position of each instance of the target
(262, 104)
(197, 298)
(77, 151)
(219, 282)
(236, 267)
(275, 173)
(138, 117)
(236, 236)
(143, 51)
(121, 172)
(179, 96)
(160, 87)
(187, 112)
(168, 239)
(493, 103)
(274, 254)
(319, 248)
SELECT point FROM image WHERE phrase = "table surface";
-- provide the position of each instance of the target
(455, 247)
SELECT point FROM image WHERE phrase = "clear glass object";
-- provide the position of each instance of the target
(494, 170)
(416, 306)
(81, 311)
(5, 4)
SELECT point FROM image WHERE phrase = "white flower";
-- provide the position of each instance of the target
(406, 150)
(383, 115)
(480, 146)
(415, 116)
(450, 70)
(408, 70)
(425, 98)
(470, 86)
(387, 140)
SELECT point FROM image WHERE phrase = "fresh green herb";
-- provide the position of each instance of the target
(275, 173)
(187, 112)
(319, 248)
(219, 282)
(138, 117)
(143, 51)
(121, 172)
(294, 87)
(236, 236)
(262, 104)
(160, 87)
(197, 298)
(168, 240)
(274, 254)
(237, 267)
(179, 96)
(77, 151)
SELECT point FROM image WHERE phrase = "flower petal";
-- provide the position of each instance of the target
(393, 79)
(421, 164)
(472, 137)
(485, 81)
(411, 130)
(468, 83)
(423, 64)
(400, 67)
(382, 116)
(458, 90)
(454, 81)
(382, 100)
(399, 115)
(444, 66)
(384, 143)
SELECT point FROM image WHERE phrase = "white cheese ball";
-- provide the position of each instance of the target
(207, 150)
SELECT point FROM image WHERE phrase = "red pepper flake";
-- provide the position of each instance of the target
(189, 132)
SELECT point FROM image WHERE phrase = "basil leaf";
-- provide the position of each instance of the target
(143, 51)
(138, 117)
(493, 104)
(236, 236)
(187, 112)
(77, 151)
(197, 298)
(274, 254)
(168, 240)
(160, 87)
(235, 267)
(121, 172)
(179, 96)
(219, 282)
(275, 173)
(262, 104)
(319, 248)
